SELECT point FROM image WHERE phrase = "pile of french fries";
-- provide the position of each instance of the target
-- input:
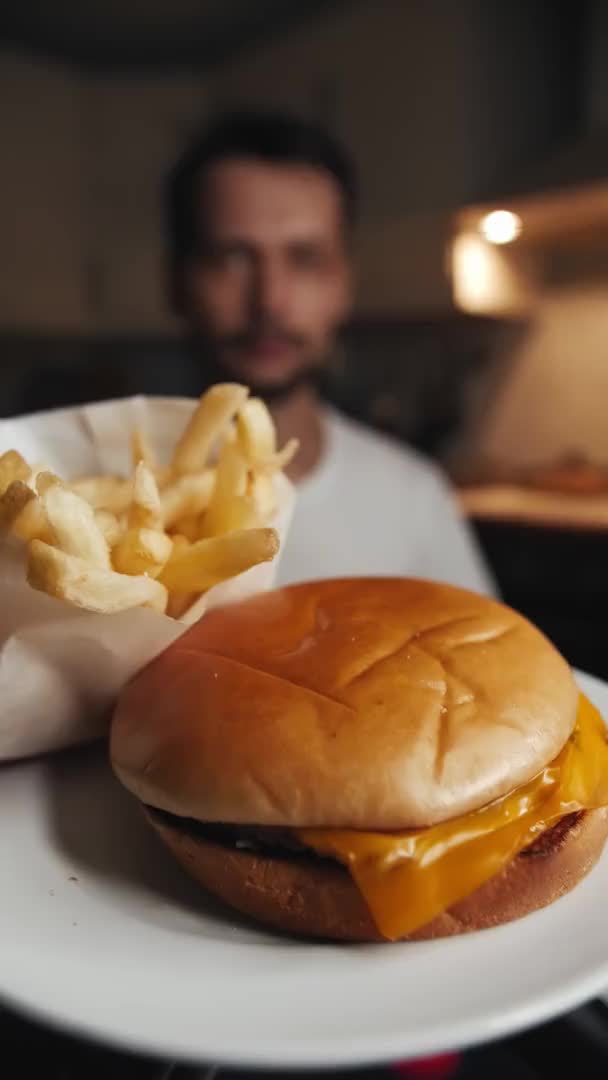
(164, 536)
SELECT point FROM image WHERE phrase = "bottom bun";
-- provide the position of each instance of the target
(317, 898)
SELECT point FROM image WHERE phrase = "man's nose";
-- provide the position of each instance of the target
(270, 289)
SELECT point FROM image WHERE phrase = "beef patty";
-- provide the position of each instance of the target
(275, 842)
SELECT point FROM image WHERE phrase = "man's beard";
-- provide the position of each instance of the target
(214, 369)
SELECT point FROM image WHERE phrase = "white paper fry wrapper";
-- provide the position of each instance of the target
(61, 668)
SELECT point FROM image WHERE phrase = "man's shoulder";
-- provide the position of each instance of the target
(381, 449)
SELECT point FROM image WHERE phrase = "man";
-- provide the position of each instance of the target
(260, 214)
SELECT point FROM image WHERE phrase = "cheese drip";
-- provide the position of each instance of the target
(407, 879)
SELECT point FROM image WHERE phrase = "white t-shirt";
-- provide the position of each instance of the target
(373, 507)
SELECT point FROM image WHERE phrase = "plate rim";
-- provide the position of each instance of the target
(391, 1050)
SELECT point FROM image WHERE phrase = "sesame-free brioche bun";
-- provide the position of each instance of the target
(373, 704)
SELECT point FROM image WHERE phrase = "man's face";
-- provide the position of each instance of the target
(271, 284)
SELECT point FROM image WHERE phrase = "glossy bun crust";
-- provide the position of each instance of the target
(366, 703)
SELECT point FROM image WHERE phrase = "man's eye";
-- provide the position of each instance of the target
(236, 256)
(232, 258)
(307, 258)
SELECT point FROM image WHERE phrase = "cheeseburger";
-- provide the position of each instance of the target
(368, 759)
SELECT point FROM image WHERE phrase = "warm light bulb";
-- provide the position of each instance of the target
(500, 227)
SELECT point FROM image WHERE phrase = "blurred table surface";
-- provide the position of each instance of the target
(536, 508)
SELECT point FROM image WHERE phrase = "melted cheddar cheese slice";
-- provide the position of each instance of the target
(409, 878)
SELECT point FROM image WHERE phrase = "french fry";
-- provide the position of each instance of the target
(14, 500)
(229, 435)
(169, 533)
(232, 515)
(261, 492)
(208, 562)
(243, 497)
(105, 492)
(110, 526)
(141, 450)
(256, 431)
(281, 459)
(142, 551)
(145, 511)
(179, 603)
(232, 473)
(189, 609)
(73, 524)
(45, 480)
(186, 496)
(22, 513)
(257, 438)
(67, 577)
(190, 527)
(13, 467)
(179, 546)
(180, 543)
(32, 523)
(36, 471)
(213, 414)
(227, 509)
(163, 474)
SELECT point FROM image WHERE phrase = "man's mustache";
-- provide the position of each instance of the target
(249, 338)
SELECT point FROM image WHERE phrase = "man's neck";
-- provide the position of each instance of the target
(299, 416)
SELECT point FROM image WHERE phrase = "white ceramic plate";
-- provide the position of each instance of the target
(100, 933)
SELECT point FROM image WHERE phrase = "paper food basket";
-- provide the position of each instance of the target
(60, 667)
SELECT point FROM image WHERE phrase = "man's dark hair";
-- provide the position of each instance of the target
(275, 137)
